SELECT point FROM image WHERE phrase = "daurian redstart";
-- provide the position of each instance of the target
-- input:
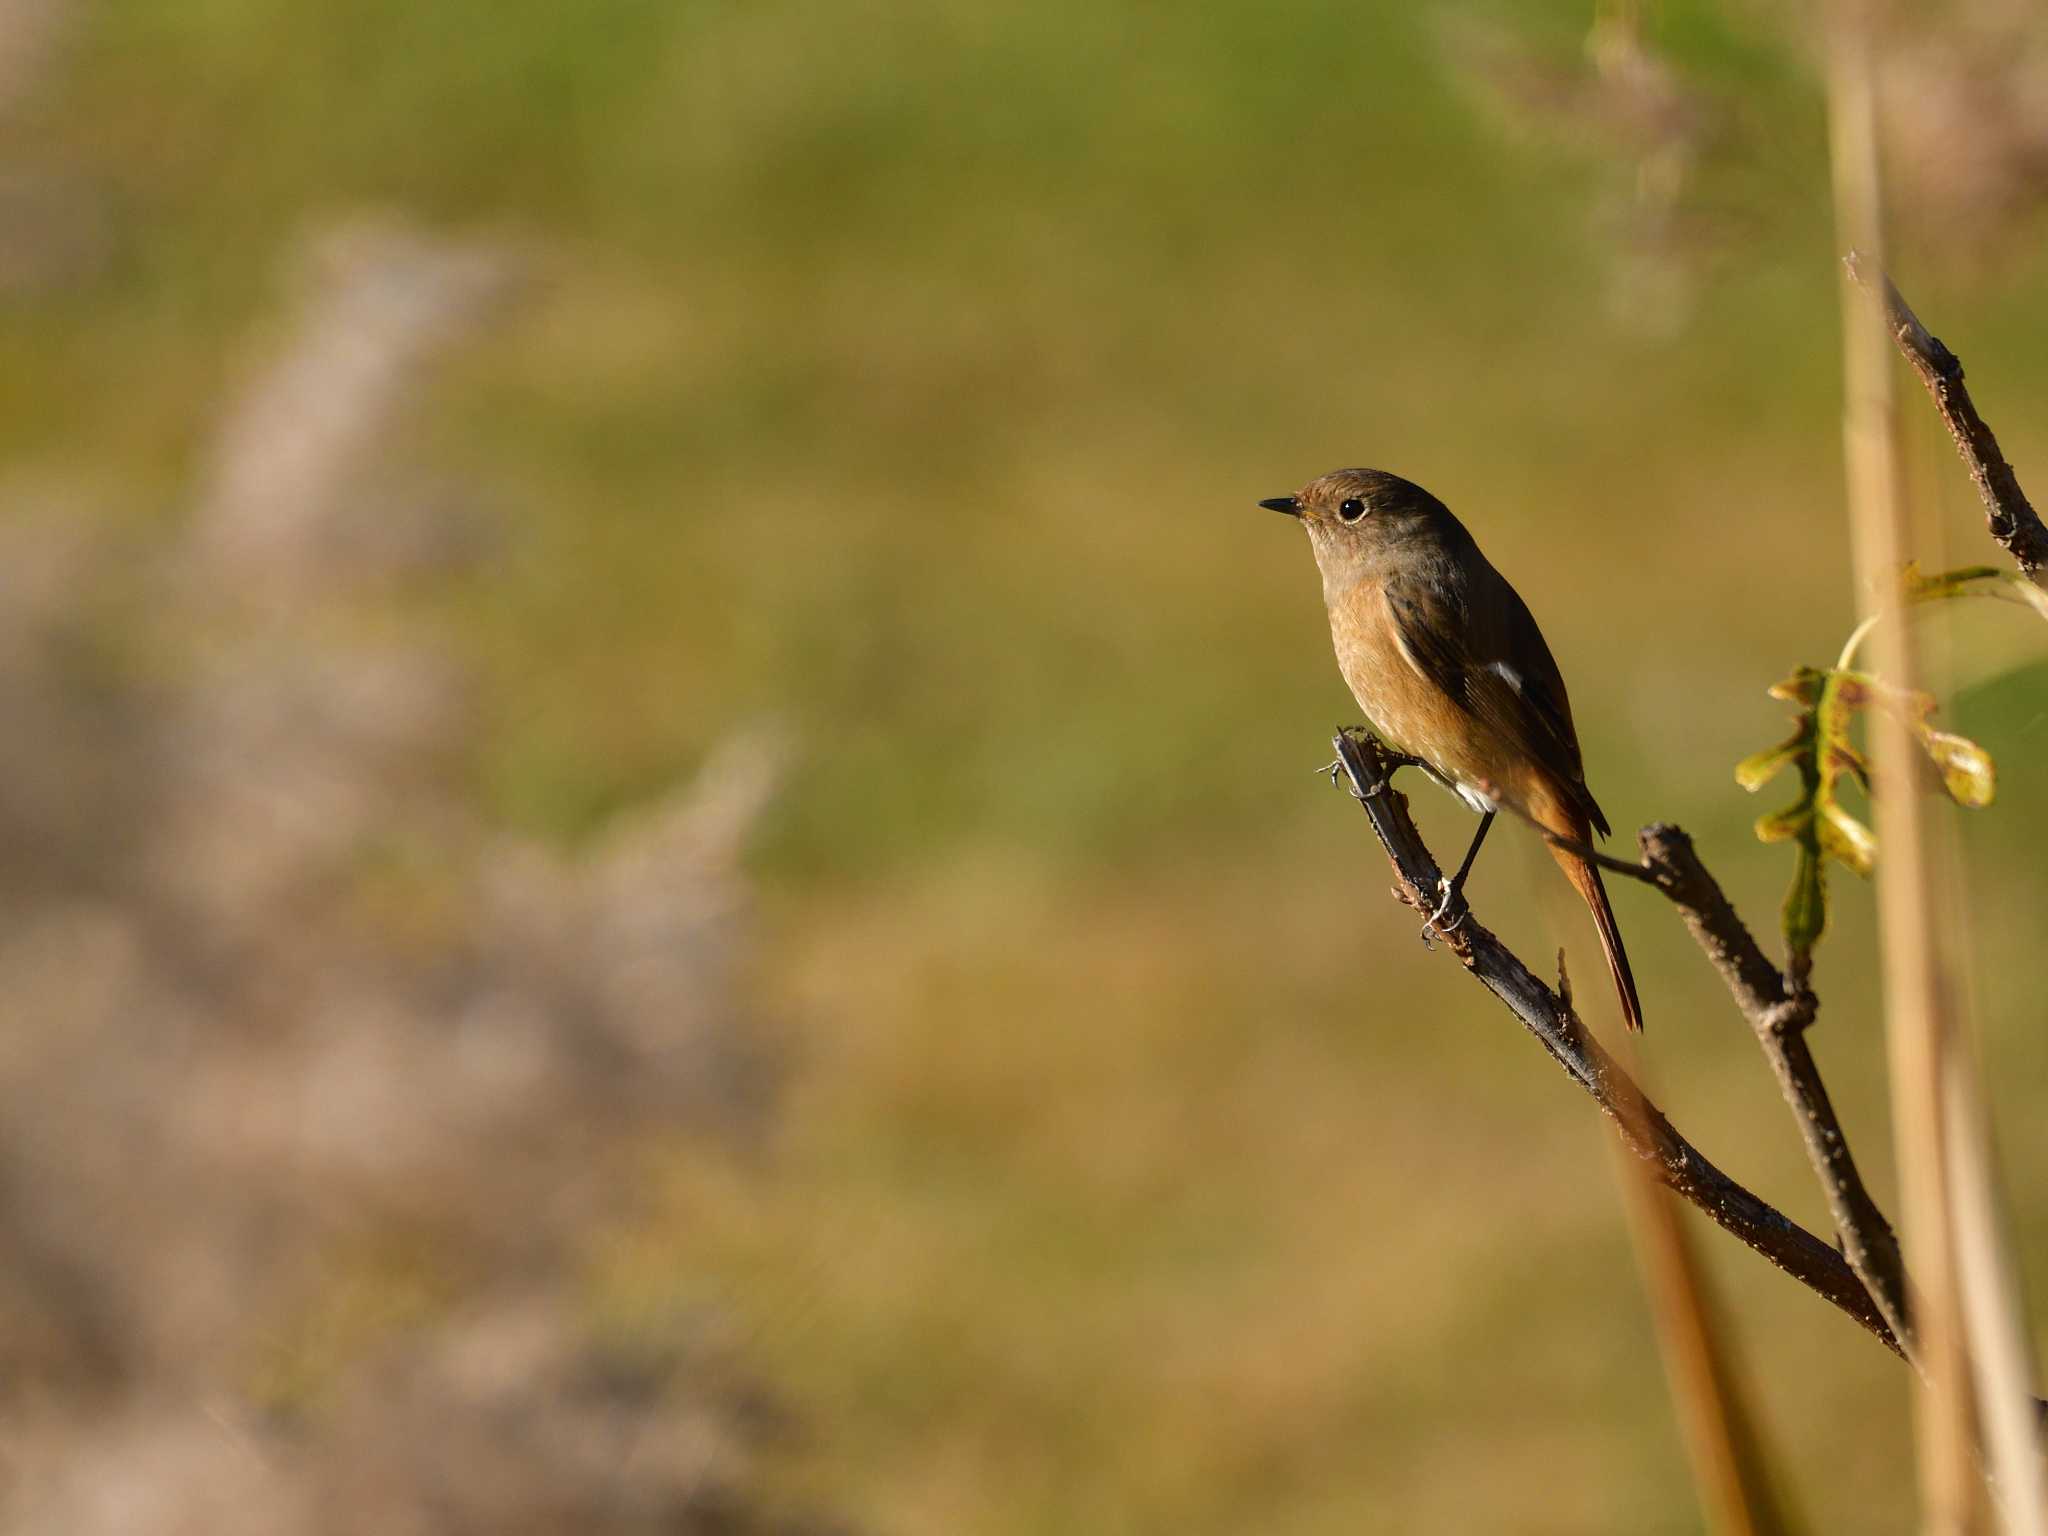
(1447, 662)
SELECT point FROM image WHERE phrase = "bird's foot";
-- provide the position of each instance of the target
(1434, 923)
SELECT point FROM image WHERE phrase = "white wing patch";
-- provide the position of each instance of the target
(1508, 675)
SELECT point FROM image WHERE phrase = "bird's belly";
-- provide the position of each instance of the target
(1412, 714)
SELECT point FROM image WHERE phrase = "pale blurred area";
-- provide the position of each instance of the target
(659, 861)
(323, 1096)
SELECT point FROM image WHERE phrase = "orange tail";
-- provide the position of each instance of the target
(1585, 878)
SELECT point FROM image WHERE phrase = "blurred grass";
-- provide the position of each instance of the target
(908, 373)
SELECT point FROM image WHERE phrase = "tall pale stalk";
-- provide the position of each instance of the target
(1715, 1421)
(1965, 1313)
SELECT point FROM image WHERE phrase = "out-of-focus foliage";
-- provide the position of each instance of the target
(1823, 749)
(1966, 136)
(324, 1098)
(2001, 585)
(1816, 822)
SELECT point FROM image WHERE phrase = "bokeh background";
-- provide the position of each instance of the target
(662, 866)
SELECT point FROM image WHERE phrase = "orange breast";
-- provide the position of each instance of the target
(1411, 712)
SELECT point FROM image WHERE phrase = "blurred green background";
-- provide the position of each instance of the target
(903, 377)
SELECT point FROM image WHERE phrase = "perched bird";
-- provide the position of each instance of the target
(1444, 657)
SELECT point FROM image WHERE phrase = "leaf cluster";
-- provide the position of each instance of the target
(1824, 751)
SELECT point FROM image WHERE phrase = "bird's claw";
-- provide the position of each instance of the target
(1434, 923)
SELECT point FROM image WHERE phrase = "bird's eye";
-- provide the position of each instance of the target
(1352, 510)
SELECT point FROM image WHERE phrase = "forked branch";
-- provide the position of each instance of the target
(1779, 1011)
(1548, 1016)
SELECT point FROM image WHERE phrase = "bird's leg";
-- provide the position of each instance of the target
(1456, 884)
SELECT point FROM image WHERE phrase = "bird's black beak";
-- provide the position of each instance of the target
(1288, 504)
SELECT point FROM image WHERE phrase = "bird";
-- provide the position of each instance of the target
(1447, 661)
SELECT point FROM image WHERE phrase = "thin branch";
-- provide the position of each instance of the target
(1780, 1012)
(1674, 1161)
(2011, 517)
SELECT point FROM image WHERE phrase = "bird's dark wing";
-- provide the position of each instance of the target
(1471, 634)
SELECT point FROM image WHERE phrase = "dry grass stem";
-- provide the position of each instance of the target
(1935, 1103)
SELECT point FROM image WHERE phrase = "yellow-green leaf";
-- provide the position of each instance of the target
(1759, 768)
(1802, 687)
(1783, 826)
(1822, 748)
(1847, 838)
(1966, 769)
(1843, 758)
(1851, 690)
(1974, 581)
(1967, 772)
(1806, 903)
(1957, 583)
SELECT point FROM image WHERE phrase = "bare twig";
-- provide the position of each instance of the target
(1673, 1160)
(2011, 517)
(1779, 1012)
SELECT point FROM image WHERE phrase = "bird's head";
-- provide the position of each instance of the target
(1353, 514)
(1357, 503)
